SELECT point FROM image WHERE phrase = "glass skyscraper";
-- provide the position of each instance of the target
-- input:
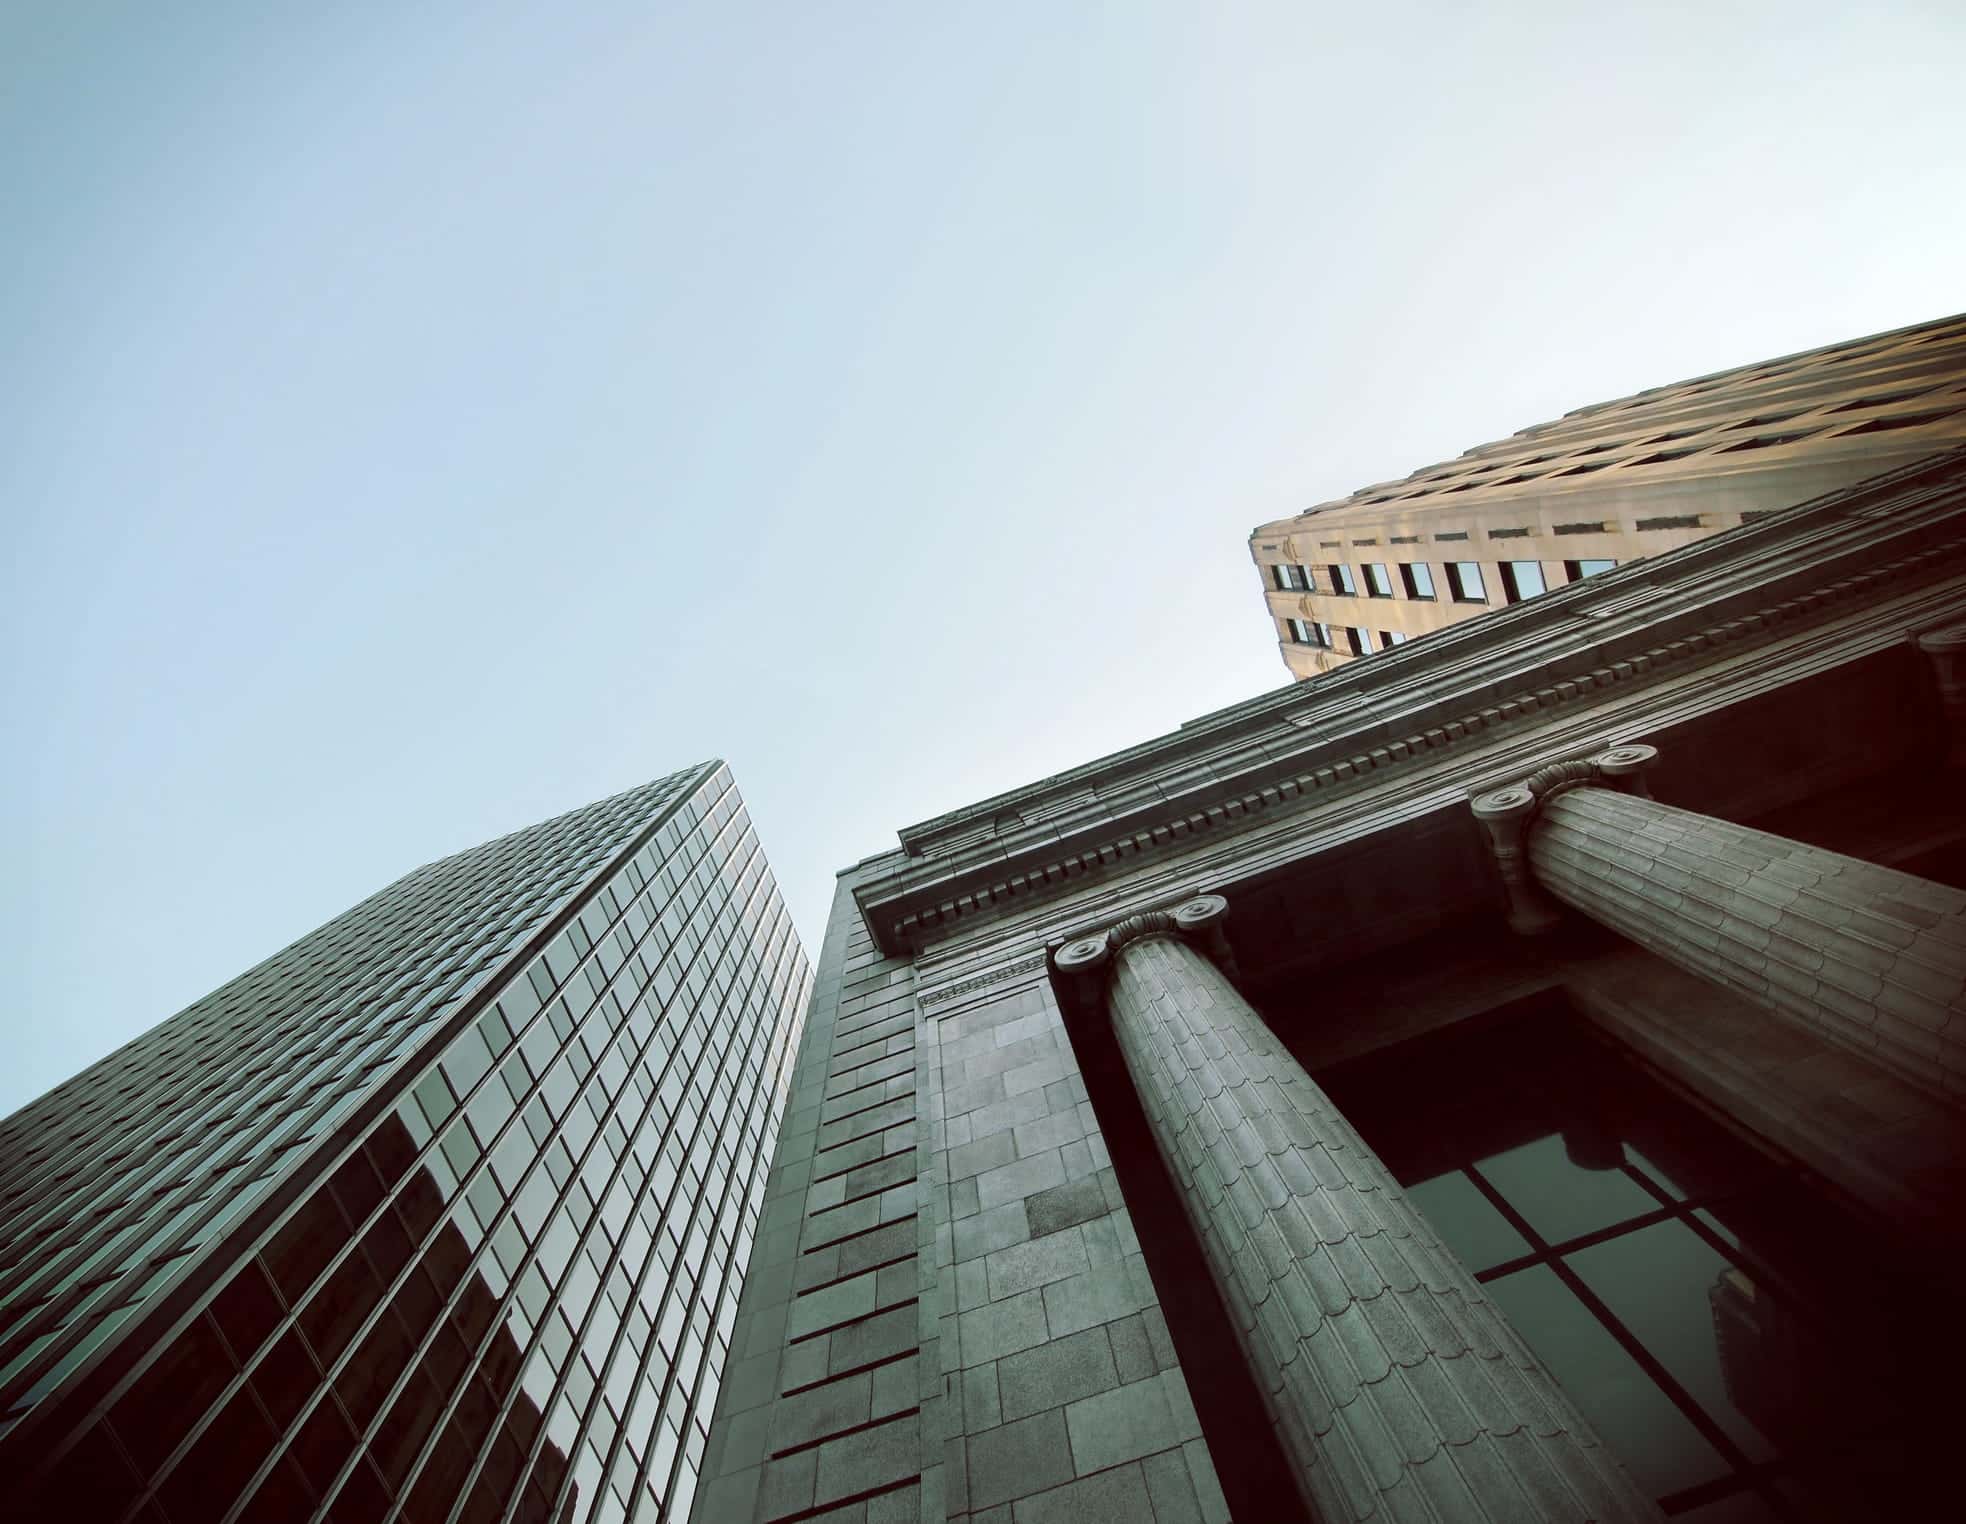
(438, 1214)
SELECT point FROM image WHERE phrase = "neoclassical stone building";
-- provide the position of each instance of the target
(1518, 1077)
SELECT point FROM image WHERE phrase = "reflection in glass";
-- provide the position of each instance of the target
(1561, 1199)
(1657, 1443)
(1673, 1290)
(1731, 1327)
(1467, 1220)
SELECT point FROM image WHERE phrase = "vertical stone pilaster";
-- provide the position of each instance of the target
(1946, 650)
(1395, 1385)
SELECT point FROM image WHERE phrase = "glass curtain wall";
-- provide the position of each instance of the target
(512, 1296)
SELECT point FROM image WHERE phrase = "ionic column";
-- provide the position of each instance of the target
(1869, 957)
(1395, 1385)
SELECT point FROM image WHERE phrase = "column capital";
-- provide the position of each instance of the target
(1507, 815)
(1626, 766)
(1948, 640)
(1197, 919)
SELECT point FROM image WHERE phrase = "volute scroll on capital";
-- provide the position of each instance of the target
(1198, 919)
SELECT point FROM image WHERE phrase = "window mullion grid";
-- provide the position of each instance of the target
(412, 1263)
(705, 949)
(517, 1119)
(566, 1046)
(201, 1166)
(1746, 1471)
(736, 1059)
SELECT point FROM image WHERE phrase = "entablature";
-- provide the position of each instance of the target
(1632, 636)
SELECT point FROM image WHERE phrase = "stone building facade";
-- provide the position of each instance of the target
(1601, 487)
(1516, 1078)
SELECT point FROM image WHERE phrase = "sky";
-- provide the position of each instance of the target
(420, 418)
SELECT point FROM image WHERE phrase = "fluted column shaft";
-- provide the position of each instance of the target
(1396, 1387)
(1867, 956)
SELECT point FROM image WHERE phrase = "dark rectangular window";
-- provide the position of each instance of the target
(1302, 632)
(1464, 582)
(1290, 577)
(1419, 579)
(1341, 580)
(1671, 521)
(1390, 638)
(1522, 579)
(1355, 640)
(1377, 583)
(1578, 570)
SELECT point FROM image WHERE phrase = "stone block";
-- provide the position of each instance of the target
(985, 1232)
(1064, 1206)
(982, 1403)
(841, 1302)
(1171, 1488)
(1055, 1373)
(820, 1411)
(1053, 1131)
(787, 1484)
(1123, 1424)
(1019, 1459)
(1208, 1486)
(1036, 1263)
(992, 1152)
(871, 1339)
(1003, 1328)
(872, 1458)
(1086, 1300)
(1133, 1351)
(896, 1386)
(1113, 1497)
(1024, 1177)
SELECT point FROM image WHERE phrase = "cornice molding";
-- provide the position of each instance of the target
(906, 907)
(1724, 567)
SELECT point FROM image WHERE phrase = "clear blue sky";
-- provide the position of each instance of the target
(420, 418)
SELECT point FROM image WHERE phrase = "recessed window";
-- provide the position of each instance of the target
(1670, 521)
(1290, 577)
(1390, 638)
(1419, 579)
(1341, 580)
(1377, 582)
(1901, 421)
(1303, 632)
(1578, 570)
(1323, 635)
(1464, 582)
(1522, 579)
(1692, 1295)
(1356, 641)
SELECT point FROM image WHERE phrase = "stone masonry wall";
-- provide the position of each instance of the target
(947, 1316)
(822, 1408)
